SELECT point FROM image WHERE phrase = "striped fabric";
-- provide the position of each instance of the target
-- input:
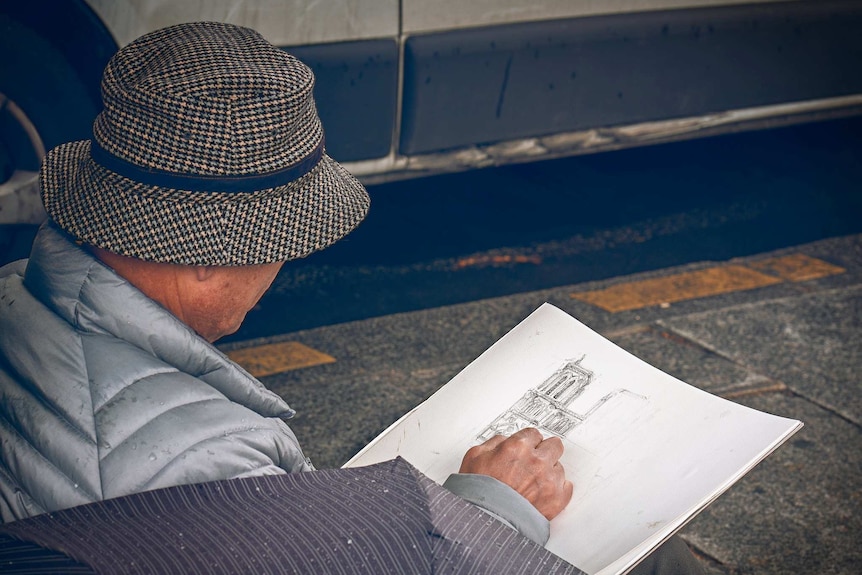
(386, 518)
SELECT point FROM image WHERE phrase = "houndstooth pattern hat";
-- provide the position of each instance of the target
(209, 151)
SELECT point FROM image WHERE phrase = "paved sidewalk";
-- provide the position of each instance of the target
(792, 346)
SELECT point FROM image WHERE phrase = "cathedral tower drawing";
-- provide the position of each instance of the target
(546, 407)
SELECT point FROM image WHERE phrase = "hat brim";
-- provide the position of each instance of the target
(104, 209)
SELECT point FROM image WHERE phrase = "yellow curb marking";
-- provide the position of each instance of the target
(778, 386)
(495, 261)
(797, 267)
(707, 282)
(677, 287)
(275, 358)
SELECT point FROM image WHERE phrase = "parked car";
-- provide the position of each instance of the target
(409, 88)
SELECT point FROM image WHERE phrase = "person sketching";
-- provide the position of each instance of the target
(206, 172)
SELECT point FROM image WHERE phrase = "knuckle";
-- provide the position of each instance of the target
(554, 441)
(511, 448)
(474, 452)
(527, 434)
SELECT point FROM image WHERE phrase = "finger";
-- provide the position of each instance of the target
(562, 499)
(531, 435)
(551, 448)
(557, 475)
(493, 442)
(567, 483)
(554, 505)
(568, 491)
(482, 450)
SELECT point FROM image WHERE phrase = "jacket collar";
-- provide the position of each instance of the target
(65, 277)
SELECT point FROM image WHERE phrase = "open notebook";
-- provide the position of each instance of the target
(645, 451)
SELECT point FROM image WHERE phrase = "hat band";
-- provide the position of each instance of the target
(205, 183)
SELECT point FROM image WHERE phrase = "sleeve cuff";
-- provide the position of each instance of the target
(501, 501)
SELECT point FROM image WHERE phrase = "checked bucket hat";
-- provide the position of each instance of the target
(209, 151)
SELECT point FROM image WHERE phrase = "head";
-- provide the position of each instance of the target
(206, 172)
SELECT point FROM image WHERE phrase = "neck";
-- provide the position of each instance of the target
(161, 282)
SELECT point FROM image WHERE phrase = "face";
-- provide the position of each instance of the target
(227, 295)
(212, 300)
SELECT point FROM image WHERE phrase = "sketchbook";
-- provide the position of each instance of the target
(645, 451)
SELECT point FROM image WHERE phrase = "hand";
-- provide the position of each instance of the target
(529, 464)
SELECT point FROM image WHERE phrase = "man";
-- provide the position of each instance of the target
(205, 173)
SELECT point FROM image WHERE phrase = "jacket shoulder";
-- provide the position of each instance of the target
(159, 426)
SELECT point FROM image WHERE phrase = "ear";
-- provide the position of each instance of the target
(203, 273)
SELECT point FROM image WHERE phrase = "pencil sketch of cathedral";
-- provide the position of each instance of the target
(547, 406)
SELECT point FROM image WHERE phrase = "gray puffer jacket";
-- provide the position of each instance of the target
(104, 393)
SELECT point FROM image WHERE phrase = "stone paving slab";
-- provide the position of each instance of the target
(687, 360)
(799, 510)
(812, 343)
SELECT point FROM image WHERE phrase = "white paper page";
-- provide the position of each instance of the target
(645, 450)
